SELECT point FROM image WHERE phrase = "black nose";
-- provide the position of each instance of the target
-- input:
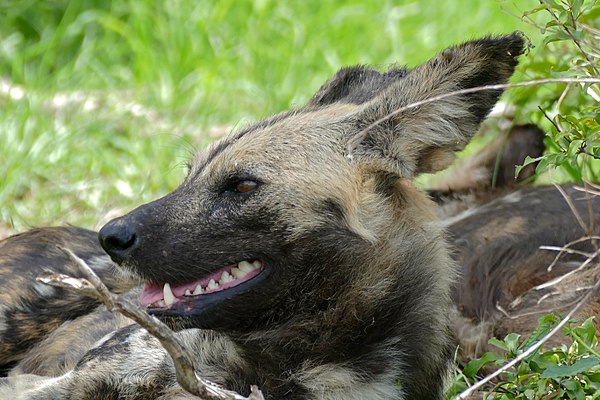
(117, 239)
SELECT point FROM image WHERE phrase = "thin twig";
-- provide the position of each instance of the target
(556, 126)
(572, 272)
(587, 190)
(465, 394)
(589, 194)
(548, 295)
(68, 282)
(591, 155)
(560, 100)
(591, 219)
(567, 250)
(360, 136)
(184, 367)
(584, 226)
(530, 313)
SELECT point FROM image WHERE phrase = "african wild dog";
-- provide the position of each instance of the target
(288, 263)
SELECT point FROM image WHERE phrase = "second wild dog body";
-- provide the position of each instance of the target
(317, 274)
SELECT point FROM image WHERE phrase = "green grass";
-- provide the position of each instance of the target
(112, 98)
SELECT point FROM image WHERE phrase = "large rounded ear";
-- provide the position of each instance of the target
(424, 138)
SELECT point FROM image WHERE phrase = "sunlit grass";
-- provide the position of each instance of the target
(102, 102)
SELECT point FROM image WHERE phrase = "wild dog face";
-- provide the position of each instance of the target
(278, 221)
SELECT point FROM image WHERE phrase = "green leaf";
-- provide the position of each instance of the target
(544, 325)
(594, 376)
(544, 360)
(512, 342)
(528, 160)
(535, 10)
(552, 4)
(574, 389)
(574, 148)
(587, 334)
(576, 7)
(498, 343)
(474, 366)
(582, 365)
(556, 36)
(542, 166)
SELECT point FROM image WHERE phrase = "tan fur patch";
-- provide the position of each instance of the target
(501, 228)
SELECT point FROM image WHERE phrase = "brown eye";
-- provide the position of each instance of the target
(246, 186)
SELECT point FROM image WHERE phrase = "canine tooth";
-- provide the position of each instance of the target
(245, 266)
(168, 294)
(188, 292)
(161, 303)
(212, 284)
(198, 290)
(257, 264)
(225, 277)
(237, 273)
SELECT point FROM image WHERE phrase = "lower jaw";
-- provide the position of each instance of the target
(213, 310)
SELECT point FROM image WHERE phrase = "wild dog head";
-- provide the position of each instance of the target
(280, 219)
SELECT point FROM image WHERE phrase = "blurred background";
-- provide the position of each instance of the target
(103, 102)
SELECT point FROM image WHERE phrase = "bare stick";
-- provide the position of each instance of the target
(530, 313)
(587, 190)
(184, 367)
(565, 248)
(360, 136)
(572, 272)
(553, 122)
(465, 394)
(586, 229)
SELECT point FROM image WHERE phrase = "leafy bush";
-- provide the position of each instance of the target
(566, 372)
(569, 113)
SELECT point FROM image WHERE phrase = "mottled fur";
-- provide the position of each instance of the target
(353, 301)
(23, 321)
(501, 262)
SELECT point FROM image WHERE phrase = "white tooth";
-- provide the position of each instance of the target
(168, 294)
(237, 273)
(212, 284)
(188, 292)
(225, 277)
(161, 303)
(245, 266)
(198, 290)
(257, 264)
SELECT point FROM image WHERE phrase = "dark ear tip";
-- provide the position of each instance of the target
(518, 43)
(502, 51)
(512, 45)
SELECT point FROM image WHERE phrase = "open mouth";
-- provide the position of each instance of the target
(167, 296)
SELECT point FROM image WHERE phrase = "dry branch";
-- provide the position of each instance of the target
(184, 368)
